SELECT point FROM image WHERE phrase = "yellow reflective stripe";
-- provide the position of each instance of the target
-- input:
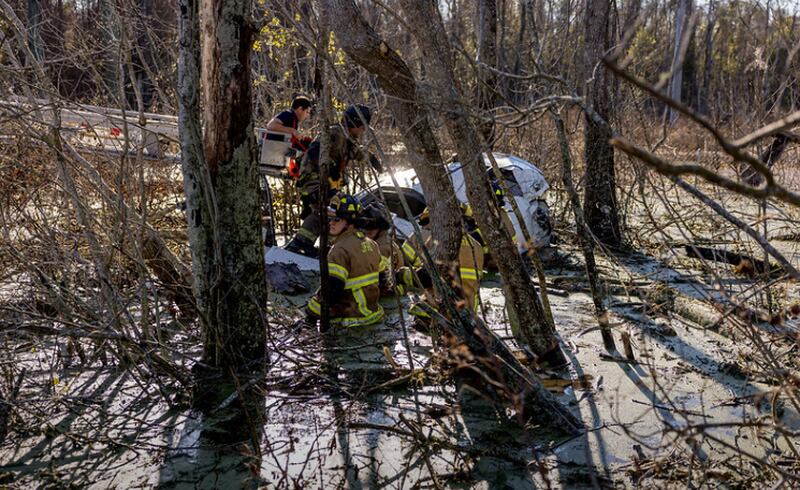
(407, 277)
(373, 317)
(361, 281)
(361, 301)
(367, 317)
(418, 312)
(337, 270)
(411, 254)
(314, 307)
(468, 273)
(385, 263)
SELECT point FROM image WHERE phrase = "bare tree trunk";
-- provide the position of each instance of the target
(682, 15)
(486, 43)
(220, 179)
(600, 199)
(632, 10)
(704, 106)
(584, 237)
(110, 38)
(35, 29)
(238, 288)
(521, 299)
(362, 44)
(200, 203)
(689, 90)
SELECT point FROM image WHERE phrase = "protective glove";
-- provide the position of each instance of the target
(376, 164)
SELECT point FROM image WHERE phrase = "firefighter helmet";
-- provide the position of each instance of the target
(374, 217)
(346, 207)
(352, 118)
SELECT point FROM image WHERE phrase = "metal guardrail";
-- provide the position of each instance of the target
(112, 130)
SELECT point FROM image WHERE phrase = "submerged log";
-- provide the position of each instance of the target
(746, 264)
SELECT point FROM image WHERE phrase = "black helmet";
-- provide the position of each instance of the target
(352, 118)
(374, 216)
(346, 207)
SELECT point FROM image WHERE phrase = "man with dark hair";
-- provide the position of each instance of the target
(343, 149)
(288, 122)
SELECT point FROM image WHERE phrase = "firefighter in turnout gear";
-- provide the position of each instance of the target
(354, 265)
(475, 232)
(376, 225)
(412, 259)
(464, 276)
(343, 150)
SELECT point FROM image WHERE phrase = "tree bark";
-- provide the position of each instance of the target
(35, 30)
(365, 47)
(682, 16)
(237, 333)
(523, 304)
(583, 237)
(220, 180)
(708, 46)
(600, 195)
(486, 43)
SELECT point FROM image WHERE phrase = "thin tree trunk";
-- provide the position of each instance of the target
(632, 10)
(523, 304)
(584, 237)
(35, 29)
(110, 39)
(600, 199)
(200, 203)
(362, 44)
(704, 106)
(486, 43)
(683, 13)
(324, 170)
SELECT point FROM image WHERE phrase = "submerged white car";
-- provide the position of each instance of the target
(525, 182)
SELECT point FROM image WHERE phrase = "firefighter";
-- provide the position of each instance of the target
(354, 267)
(464, 276)
(343, 150)
(288, 122)
(412, 258)
(500, 197)
(475, 232)
(376, 225)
